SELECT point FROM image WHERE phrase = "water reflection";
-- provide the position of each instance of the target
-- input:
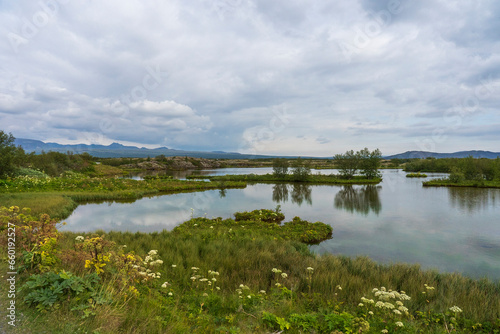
(300, 193)
(280, 193)
(360, 199)
(473, 199)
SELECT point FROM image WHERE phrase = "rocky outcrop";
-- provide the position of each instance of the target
(176, 163)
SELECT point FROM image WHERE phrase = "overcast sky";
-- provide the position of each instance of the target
(254, 76)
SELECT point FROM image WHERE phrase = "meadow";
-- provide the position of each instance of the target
(250, 274)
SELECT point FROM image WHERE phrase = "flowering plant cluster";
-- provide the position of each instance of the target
(387, 303)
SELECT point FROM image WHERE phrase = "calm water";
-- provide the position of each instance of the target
(450, 229)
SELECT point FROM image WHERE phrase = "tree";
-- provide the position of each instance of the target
(301, 170)
(280, 167)
(370, 162)
(7, 154)
(347, 163)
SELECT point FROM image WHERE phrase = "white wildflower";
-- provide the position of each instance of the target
(455, 309)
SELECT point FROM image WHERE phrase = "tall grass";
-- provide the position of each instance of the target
(249, 261)
(246, 256)
(54, 204)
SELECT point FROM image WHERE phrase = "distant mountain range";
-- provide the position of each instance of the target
(461, 154)
(116, 150)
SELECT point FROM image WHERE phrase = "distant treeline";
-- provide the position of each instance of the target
(465, 168)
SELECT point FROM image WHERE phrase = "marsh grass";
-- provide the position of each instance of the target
(60, 196)
(462, 183)
(245, 253)
(313, 179)
(416, 175)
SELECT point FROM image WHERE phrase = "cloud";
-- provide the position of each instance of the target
(210, 74)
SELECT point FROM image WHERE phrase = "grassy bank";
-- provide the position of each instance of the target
(462, 183)
(416, 175)
(247, 275)
(59, 196)
(270, 178)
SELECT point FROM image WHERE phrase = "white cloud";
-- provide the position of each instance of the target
(208, 74)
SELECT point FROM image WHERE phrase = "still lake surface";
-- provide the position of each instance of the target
(448, 229)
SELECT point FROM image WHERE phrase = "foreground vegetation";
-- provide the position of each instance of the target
(247, 275)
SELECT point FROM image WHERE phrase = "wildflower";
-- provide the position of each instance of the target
(284, 275)
(174, 265)
(205, 294)
(455, 309)
(195, 225)
(399, 324)
(195, 268)
(276, 271)
(217, 288)
(79, 238)
(263, 292)
(384, 331)
(249, 297)
(278, 284)
(211, 227)
(403, 296)
(170, 294)
(310, 269)
(203, 279)
(214, 279)
(374, 290)
(193, 278)
(361, 305)
(388, 305)
(380, 304)
(404, 309)
(338, 287)
(370, 312)
(398, 312)
(165, 285)
(399, 303)
(153, 252)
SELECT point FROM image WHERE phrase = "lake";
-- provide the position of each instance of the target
(449, 229)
